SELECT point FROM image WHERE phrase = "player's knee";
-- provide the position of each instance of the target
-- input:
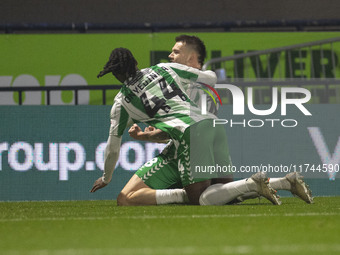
(203, 199)
(123, 199)
(210, 196)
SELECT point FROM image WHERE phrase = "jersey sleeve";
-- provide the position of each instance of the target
(193, 74)
(119, 117)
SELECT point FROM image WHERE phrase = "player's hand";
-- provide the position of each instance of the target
(135, 131)
(98, 184)
(149, 129)
(150, 134)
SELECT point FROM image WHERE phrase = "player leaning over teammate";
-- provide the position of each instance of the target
(156, 97)
(161, 172)
(158, 181)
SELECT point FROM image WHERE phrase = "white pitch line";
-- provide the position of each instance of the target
(188, 250)
(152, 217)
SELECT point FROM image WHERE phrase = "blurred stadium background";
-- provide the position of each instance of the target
(51, 52)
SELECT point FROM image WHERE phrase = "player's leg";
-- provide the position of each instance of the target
(136, 192)
(193, 185)
(156, 182)
(220, 194)
(210, 147)
(223, 180)
(292, 182)
(298, 187)
(200, 191)
(275, 183)
(196, 149)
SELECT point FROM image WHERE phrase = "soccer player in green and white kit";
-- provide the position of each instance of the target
(156, 96)
(158, 181)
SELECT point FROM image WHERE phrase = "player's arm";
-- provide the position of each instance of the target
(111, 156)
(119, 121)
(149, 134)
(208, 77)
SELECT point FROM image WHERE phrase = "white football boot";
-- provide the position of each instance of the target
(299, 188)
(264, 189)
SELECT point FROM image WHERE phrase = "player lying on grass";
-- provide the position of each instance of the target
(292, 182)
(156, 97)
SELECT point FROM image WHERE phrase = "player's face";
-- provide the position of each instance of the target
(180, 54)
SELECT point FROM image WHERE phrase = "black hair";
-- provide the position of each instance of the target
(196, 43)
(121, 62)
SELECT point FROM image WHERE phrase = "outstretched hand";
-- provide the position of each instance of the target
(98, 184)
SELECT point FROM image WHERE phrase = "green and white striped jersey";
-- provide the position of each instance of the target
(157, 96)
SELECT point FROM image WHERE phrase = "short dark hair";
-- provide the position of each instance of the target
(121, 62)
(196, 43)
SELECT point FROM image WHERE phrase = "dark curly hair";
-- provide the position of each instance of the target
(121, 62)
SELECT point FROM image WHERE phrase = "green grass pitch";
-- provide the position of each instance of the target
(101, 227)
